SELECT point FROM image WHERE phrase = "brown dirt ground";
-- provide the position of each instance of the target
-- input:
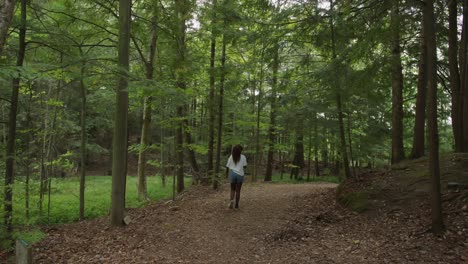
(277, 223)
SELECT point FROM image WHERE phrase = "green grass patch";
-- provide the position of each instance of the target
(63, 206)
(31, 235)
(64, 198)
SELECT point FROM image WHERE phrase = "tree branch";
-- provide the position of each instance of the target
(83, 20)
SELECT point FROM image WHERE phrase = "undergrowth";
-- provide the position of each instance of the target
(276, 178)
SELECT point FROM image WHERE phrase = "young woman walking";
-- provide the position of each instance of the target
(235, 169)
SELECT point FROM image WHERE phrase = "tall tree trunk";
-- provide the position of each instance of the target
(281, 158)
(325, 144)
(4, 126)
(397, 87)
(49, 188)
(7, 9)
(144, 142)
(188, 141)
(351, 144)
(257, 127)
(162, 163)
(298, 160)
(43, 171)
(28, 151)
(309, 153)
(455, 75)
(182, 7)
(252, 136)
(50, 169)
(46, 151)
(190, 125)
(179, 149)
(119, 144)
(463, 111)
(420, 118)
(11, 146)
(194, 109)
(83, 142)
(344, 153)
(463, 61)
(272, 128)
(434, 171)
(316, 147)
(220, 111)
(145, 130)
(211, 101)
(201, 118)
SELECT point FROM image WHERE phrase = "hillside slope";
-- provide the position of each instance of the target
(402, 193)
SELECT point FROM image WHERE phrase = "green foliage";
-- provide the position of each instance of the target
(276, 178)
(137, 148)
(63, 161)
(30, 235)
(200, 149)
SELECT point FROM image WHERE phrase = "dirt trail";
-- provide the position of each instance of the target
(198, 228)
(277, 223)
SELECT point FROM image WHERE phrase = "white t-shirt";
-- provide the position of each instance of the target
(239, 167)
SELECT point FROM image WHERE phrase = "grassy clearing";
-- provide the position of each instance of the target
(64, 198)
(64, 201)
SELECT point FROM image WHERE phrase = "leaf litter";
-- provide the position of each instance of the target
(277, 223)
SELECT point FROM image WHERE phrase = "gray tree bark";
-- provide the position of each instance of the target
(455, 76)
(182, 7)
(463, 107)
(220, 112)
(119, 144)
(420, 118)
(11, 146)
(211, 99)
(273, 103)
(339, 104)
(83, 142)
(145, 130)
(7, 8)
(397, 86)
(434, 170)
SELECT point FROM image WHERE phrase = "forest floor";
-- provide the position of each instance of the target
(278, 223)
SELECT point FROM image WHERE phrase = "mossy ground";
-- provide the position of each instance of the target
(404, 184)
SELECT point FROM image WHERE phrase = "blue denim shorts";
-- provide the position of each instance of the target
(235, 178)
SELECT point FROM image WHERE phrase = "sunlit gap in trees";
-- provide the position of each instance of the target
(193, 24)
(324, 4)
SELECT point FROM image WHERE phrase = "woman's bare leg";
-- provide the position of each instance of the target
(238, 189)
